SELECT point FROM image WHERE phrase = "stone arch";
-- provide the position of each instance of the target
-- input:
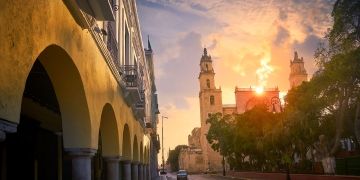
(141, 152)
(145, 155)
(70, 93)
(148, 155)
(54, 115)
(126, 145)
(109, 132)
(135, 149)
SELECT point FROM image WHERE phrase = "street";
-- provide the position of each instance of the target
(172, 176)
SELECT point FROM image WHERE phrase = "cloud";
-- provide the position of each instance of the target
(282, 36)
(181, 71)
(307, 48)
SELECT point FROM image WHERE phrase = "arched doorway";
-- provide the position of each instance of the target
(126, 154)
(141, 153)
(126, 145)
(108, 146)
(35, 151)
(53, 107)
(135, 149)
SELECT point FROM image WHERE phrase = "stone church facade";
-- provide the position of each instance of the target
(199, 156)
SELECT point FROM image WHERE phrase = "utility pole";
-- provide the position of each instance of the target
(162, 140)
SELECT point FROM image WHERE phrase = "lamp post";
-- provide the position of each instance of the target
(276, 101)
(162, 140)
(223, 163)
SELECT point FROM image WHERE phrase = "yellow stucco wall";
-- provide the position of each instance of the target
(27, 28)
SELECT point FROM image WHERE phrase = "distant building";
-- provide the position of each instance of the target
(191, 158)
(297, 71)
(210, 99)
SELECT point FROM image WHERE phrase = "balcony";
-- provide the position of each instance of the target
(140, 110)
(133, 85)
(100, 10)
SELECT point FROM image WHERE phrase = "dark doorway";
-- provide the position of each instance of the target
(35, 151)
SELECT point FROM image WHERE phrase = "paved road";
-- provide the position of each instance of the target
(172, 176)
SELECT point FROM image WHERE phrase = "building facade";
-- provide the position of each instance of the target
(153, 119)
(77, 93)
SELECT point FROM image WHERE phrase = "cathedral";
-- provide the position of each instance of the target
(199, 156)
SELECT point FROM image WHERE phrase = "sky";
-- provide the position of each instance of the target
(251, 43)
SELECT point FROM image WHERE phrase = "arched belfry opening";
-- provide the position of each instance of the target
(53, 116)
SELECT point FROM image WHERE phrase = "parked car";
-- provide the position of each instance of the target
(163, 172)
(182, 174)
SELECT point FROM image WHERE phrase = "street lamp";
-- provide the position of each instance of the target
(223, 163)
(162, 140)
(276, 101)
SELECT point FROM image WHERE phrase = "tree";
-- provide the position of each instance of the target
(344, 36)
(243, 136)
(339, 68)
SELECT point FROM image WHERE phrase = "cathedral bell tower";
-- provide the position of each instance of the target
(297, 71)
(210, 102)
(206, 76)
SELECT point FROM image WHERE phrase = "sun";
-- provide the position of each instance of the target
(259, 90)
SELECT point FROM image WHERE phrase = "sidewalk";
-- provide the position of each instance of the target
(279, 176)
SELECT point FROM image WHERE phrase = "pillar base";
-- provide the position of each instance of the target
(6, 127)
(135, 170)
(112, 168)
(126, 169)
(81, 162)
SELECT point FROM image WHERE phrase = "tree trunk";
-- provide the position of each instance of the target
(340, 122)
(357, 123)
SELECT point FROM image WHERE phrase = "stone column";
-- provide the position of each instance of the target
(5, 127)
(81, 163)
(112, 168)
(140, 172)
(2, 136)
(144, 172)
(147, 169)
(126, 169)
(134, 170)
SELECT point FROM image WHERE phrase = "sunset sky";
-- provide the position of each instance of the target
(242, 36)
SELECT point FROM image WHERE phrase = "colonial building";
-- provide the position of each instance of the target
(153, 118)
(77, 93)
(200, 157)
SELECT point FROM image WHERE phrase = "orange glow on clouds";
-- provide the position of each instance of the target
(263, 72)
(251, 43)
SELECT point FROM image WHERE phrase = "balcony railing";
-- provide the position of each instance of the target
(132, 77)
(112, 45)
(129, 77)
